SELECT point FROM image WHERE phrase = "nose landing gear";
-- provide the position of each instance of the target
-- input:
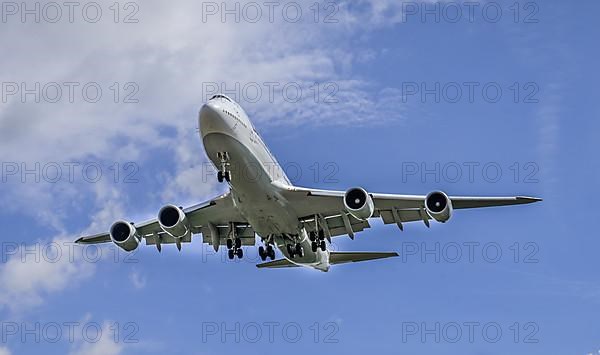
(224, 173)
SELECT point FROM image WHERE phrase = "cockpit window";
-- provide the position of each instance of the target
(220, 96)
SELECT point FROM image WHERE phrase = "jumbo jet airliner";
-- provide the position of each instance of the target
(262, 201)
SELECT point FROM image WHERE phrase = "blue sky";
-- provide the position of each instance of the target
(542, 291)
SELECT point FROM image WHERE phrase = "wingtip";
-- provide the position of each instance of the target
(529, 199)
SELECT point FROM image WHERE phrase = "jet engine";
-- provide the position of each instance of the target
(124, 235)
(359, 203)
(439, 206)
(173, 221)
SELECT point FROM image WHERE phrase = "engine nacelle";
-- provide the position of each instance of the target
(173, 221)
(359, 203)
(124, 235)
(439, 206)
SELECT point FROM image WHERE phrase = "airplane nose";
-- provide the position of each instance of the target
(211, 119)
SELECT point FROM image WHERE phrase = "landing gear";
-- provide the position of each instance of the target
(224, 173)
(267, 252)
(235, 248)
(295, 250)
(234, 244)
(299, 250)
(317, 241)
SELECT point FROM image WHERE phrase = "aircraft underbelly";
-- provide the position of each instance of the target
(251, 186)
(258, 200)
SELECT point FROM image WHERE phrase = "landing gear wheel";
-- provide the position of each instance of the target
(290, 250)
(229, 243)
(230, 254)
(228, 176)
(240, 253)
(311, 236)
(270, 252)
(321, 234)
(323, 245)
(220, 176)
(262, 253)
(299, 250)
(238, 243)
(314, 246)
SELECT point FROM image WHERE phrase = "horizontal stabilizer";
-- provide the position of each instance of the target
(342, 257)
(276, 264)
(335, 257)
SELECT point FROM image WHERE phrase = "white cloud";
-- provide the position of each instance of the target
(4, 351)
(105, 345)
(27, 277)
(170, 55)
(34, 271)
(138, 281)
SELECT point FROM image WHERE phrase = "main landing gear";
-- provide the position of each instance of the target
(267, 252)
(296, 250)
(235, 248)
(224, 173)
(317, 241)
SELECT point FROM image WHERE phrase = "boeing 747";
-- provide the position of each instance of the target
(262, 201)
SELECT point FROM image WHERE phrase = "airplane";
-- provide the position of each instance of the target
(298, 221)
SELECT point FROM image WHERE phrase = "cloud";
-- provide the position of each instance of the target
(169, 56)
(27, 277)
(34, 271)
(4, 351)
(137, 280)
(165, 61)
(105, 345)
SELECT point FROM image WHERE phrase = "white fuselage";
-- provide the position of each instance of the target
(256, 178)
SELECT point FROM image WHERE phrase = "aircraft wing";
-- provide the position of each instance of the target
(328, 206)
(219, 212)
